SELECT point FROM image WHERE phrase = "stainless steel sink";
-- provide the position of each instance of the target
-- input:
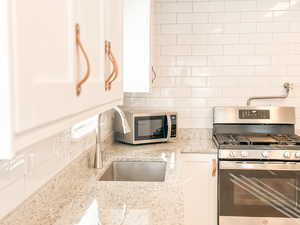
(143, 171)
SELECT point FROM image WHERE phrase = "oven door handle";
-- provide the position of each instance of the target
(254, 165)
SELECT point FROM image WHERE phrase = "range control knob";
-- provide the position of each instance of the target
(244, 154)
(286, 155)
(265, 154)
(232, 154)
(297, 155)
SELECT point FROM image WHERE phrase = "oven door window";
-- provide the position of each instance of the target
(151, 127)
(259, 193)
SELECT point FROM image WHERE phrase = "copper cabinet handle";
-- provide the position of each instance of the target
(81, 48)
(114, 74)
(154, 73)
(214, 167)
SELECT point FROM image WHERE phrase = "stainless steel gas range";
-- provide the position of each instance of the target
(259, 165)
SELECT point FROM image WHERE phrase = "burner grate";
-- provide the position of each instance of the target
(272, 140)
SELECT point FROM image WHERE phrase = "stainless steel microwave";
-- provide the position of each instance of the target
(146, 127)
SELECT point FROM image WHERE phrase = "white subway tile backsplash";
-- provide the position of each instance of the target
(191, 39)
(273, 5)
(209, 6)
(208, 28)
(165, 82)
(192, 82)
(240, 28)
(166, 60)
(175, 7)
(191, 60)
(222, 39)
(259, 38)
(225, 17)
(255, 60)
(165, 39)
(274, 70)
(239, 49)
(174, 71)
(238, 70)
(284, 38)
(256, 17)
(176, 50)
(205, 92)
(207, 71)
(220, 52)
(176, 92)
(165, 18)
(176, 28)
(223, 60)
(207, 50)
(295, 27)
(193, 18)
(272, 27)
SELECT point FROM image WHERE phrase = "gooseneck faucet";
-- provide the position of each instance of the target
(98, 161)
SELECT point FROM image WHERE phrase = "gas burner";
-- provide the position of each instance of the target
(257, 139)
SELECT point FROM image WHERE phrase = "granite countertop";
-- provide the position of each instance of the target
(124, 203)
(131, 203)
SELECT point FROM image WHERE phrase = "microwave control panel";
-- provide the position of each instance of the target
(173, 126)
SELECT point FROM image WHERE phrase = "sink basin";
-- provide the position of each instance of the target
(143, 171)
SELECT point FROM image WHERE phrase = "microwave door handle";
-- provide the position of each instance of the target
(250, 165)
(169, 126)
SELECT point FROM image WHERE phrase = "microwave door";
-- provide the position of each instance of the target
(149, 128)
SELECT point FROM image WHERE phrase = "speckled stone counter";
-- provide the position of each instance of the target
(89, 201)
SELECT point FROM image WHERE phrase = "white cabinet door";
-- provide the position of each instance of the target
(113, 72)
(42, 61)
(89, 15)
(200, 189)
(6, 81)
(137, 49)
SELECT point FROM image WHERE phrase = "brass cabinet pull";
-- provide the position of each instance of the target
(114, 74)
(214, 167)
(154, 75)
(87, 74)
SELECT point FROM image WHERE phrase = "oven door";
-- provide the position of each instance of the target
(258, 192)
(149, 129)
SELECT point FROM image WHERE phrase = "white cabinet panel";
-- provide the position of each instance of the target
(44, 57)
(6, 130)
(89, 14)
(137, 54)
(114, 35)
(200, 189)
(43, 41)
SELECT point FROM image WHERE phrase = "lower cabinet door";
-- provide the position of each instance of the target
(199, 174)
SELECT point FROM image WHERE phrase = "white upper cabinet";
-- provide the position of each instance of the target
(43, 61)
(113, 61)
(89, 17)
(137, 45)
(53, 68)
(6, 128)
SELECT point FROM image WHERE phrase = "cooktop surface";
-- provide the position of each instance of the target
(236, 141)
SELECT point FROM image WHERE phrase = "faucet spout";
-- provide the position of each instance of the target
(99, 154)
(125, 125)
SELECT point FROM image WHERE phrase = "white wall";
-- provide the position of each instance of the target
(220, 52)
(36, 165)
